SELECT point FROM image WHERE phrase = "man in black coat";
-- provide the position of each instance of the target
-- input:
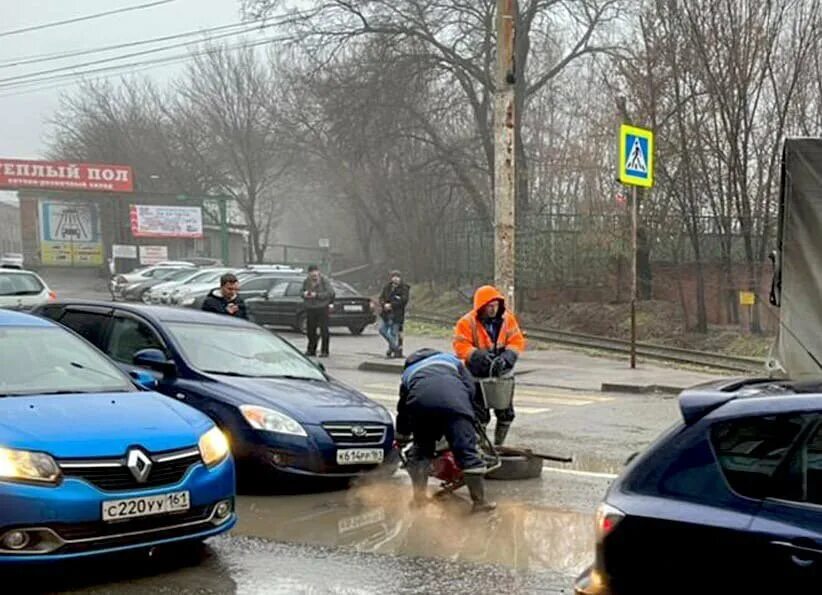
(226, 300)
(317, 296)
(393, 301)
(437, 399)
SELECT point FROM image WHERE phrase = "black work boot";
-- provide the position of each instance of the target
(501, 432)
(476, 487)
(419, 470)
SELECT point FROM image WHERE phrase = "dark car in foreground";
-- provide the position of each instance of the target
(728, 500)
(282, 306)
(93, 463)
(285, 418)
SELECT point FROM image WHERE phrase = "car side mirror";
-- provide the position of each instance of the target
(154, 359)
(144, 379)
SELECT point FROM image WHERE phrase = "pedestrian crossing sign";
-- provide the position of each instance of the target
(636, 156)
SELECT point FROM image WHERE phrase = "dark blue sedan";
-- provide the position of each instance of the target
(285, 418)
(728, 500)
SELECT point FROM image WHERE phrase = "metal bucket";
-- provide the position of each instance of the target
(497, 393)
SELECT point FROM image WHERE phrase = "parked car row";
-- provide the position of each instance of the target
(23, 290)
(273, 294)
(116, 420)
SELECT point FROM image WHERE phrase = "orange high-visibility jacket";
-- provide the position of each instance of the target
(470, 334)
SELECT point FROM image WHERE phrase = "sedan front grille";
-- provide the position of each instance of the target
(113, 475)
(75, 531)
(354, 433)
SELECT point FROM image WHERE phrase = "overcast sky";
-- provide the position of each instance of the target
(25, 114)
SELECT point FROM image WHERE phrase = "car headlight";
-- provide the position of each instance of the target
(269, 420)
(213, 447)
(22, 465)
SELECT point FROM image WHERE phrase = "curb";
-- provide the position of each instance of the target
(641, 389)
(388, 367)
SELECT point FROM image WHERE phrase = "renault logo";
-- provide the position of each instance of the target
(358, 431)
(139, 464)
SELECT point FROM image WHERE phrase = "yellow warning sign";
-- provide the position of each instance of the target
(747, 298)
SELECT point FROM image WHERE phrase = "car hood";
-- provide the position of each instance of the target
(307, 401)
(98, 425)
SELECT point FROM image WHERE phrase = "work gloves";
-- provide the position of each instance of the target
(479, 364)
(506, 360)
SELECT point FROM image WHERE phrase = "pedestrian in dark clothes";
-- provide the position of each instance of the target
(393, 302)
(317, 296)
(225, 299)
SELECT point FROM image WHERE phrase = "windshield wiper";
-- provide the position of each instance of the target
(37, 393)
(225, 373)
(293, 377)
(80, 366)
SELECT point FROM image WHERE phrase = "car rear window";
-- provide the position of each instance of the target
(19, 284)
(752, 453)
(344, 289)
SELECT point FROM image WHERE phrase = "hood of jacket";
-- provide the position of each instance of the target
(486, 294)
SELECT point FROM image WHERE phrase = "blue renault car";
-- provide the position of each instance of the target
(290, 425)
(728, 500)
(91, 462)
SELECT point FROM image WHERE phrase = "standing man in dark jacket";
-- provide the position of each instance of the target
(226, 300)
(437, 399)
(393, 301)
(317, 296)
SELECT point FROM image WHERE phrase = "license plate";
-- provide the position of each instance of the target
(360, 456)
(352, 308)
(114, 510)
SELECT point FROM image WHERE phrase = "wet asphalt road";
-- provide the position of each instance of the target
(367, 540)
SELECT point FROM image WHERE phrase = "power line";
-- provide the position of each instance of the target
(56, 56)
(41, 74)
(123, 69)
(84, 18)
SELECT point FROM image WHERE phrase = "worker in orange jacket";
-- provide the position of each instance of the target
(489, 340)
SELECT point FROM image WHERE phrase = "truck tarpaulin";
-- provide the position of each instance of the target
(797, 290)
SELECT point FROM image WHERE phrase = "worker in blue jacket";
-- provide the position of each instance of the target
(437, 398)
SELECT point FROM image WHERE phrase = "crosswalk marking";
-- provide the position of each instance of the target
(391, 401)
(528, 400)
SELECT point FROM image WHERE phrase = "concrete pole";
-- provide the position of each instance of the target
(504, 164)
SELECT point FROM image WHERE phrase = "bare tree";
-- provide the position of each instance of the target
(458, 38)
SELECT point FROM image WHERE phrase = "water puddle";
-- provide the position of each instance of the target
(376, 518)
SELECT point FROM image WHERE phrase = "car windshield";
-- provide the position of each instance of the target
(202, 276)
(38, 360)
(171, 274)
(19, 284)
(241, 351)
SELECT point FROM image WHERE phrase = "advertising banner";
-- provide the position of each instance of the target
(18, 174)
(149, 221)
(153, 254)
(69, 234)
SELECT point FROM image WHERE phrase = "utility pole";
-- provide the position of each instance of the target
(504, 139)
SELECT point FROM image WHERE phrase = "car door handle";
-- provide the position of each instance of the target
(801, 556)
